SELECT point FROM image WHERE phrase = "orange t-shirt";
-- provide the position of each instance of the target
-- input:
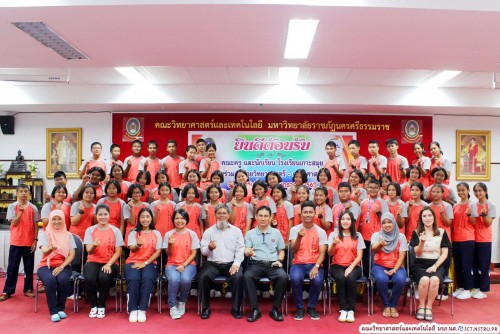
(369, 222)
(183, 246)
(387, 260)
(153, 167)
(110, 238)
(134, 210)
(195, 212)
(86, 221)
(334, 182)
(309, 244)
(346, 251)
(134, 168)
(211, 219)
(163, 216)
(213, 167)
(283, 215)
(483, 232)
(439, 218)
(115, 212)
(296, 215)
(23, 234)
(242, 213)
(412, 221)
(171, 166)
(463, 230)
(393, 168)
(152, 242)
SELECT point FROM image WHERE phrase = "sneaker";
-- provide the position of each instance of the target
(480, 295)
(174, 313)
(55, 318)
(320, 297)
(416, 294)
(271, 292)
(101, 312)
(141, 316)
(457, 292)
(443, 297)
(343, 316)
(182, 308)
(133, 316)
(312, 313)
(62, 315)
(93, 312)
(464, 295)
(72, 297)
(266, 294)
(228, 295)
(350, 316)
(193, 292)
(473, 292)
(299, 314)
(217, 294)
(212, 293)
(305, 295)
(112, 291)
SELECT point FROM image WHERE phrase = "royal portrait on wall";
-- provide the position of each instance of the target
(64, 151)
(473, 155)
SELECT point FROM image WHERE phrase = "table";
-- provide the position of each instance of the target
(4, 253)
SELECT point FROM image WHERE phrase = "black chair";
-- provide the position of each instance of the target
(447, 282)
(306, 281)
(362, 280)
(118, 279)
(408, 282)
(77, 263)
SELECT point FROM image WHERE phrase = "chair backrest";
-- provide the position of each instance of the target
(78, 260)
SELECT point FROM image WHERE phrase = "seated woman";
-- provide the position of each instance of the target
(104, 245)
(389, 246)
(144, 243)
(431, 249)
(181, 244)
(346, 246)
(54, 270)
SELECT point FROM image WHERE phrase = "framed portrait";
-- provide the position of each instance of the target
(64, 151)
(473, 155)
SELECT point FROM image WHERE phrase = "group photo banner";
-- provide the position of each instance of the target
(262, 142)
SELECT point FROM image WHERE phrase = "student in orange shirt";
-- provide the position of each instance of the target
(94, 178)
(259, 189)
(357, 162)
(182, 245)
(241, 212)
(439, 174)
(140, 269)
(462, 237)
(104, 246)
(208, 165)
(299, 178)
(162, 177)
(356, 180)
(412, 175)
(303, 194)
(189, 163)
(23, 217)
(171, 165)
(132, 209)
(59, 180)
(484, 236)
(117, 175)
(396, 163)
(144, 180)
(414, 205)
(345, 204)
(283, 219)
(214, 196)
(346, 249)
(196, 213)
(439, 160)
(201, 145)
(115, 204)
(396, 206)
(82, 212)
(217, 179)
(385, 180)
(324, 177)
(193, 178)
(114, 151)
(95, 161)
(272, 178)
(132, 162)
(241, 176)
(377, 163)
(54, 270)
(308, 244)
(422, 162)
(151, 164)
(335, 165)
(389, 246)
(323, 217)
(59, 194)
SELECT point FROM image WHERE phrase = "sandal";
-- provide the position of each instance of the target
(29, 293)
(41, 289)
(428, 316)
(386, 313)
(420, 315)
(4, 297)
(394, 312)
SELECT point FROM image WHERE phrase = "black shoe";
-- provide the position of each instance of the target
(276, 315)
(299, 314)
(236, 314)
(205, 314)
(313, 313)
(254, 315)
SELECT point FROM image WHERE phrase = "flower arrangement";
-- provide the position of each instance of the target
(33, 166)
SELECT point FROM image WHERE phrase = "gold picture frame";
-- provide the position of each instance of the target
(64, 151)
(473, 155)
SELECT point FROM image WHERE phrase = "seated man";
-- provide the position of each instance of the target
(265, 247)
(308, 244)
(223, 245)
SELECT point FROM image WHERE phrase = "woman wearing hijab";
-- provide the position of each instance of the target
(390, 248)
(58, 249)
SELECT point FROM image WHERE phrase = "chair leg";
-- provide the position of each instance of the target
(451, 296)
(36, 297)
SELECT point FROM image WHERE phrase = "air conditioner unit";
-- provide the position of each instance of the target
(35, 78)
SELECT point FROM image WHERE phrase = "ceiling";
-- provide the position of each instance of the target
(367, 56)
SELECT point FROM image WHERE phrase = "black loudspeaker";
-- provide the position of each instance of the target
(7, 125)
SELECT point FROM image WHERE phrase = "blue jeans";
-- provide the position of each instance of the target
(297, 274)
(56, 287)
(140, 286)
(178, 280)
(382, 281)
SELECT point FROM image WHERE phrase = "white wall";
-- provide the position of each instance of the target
(30, 137)
(444, 132)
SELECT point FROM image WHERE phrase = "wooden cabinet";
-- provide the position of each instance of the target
(8, 186)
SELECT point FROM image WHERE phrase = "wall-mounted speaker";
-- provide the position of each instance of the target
(7, 125)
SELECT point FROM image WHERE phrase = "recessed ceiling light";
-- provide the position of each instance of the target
(48, 37)
(440, 78)
(133, 75)
(288, 75)
(299, 38)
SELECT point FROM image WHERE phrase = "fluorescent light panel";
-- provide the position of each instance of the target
(288, 75)
(132, 74)
(440, 78)
(299, 38)
(48, 37)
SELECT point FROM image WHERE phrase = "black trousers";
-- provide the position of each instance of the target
(209, 271)
(16, 254)
(97, 280)
(258, 269)
(346, 286)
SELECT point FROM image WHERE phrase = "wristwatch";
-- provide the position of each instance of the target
(146, 263)
(317, 265)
